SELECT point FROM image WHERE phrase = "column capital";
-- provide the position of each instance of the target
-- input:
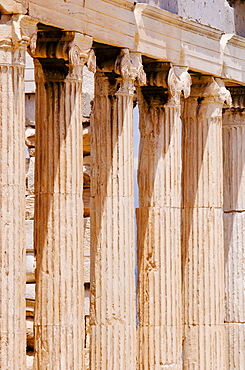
(174, 78)
(211, 89)
(16, 32)
(67, 45)
(129, 65)
(179, 80)
(238, 97)
(73, 48)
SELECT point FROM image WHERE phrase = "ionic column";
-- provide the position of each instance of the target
(113, 313)
(234, 229)
(14, 41)
(58, 234)
(159, 221)
(202, 227)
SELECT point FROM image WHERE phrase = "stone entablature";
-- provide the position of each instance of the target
(151, 31)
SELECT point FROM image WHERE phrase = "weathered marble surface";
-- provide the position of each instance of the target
(202, 223)
(234, 235)
(14, 41)
(159, 222)
(59, 305)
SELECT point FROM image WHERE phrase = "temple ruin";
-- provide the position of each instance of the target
(95, 272)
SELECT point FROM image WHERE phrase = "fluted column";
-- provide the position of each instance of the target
(159, 222)
(234, 231)
(113, 312)
(58, 230)
(202, 224)
(14, 41)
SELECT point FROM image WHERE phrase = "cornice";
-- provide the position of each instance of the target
(237, 41)
(127, 4)
(175, 20)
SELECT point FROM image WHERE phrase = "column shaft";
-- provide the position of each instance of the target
(203, 253)
(12, 195)
(58, 234)
(234, 235)
(113, 311)
(159, 226)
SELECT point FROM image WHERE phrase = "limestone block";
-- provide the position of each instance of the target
(88, 92)
(86, 202)
(86, 139)
(30, 136)
(30, 308)
(29, 362)
(203, 286)
(30, 333)
(30, 199)
(164, 338)
(86, 269)
(30, 299)
(234, 160)
(27, 162)
(155, 267)
(199, 356)
(30, 291)
(86, 302)
(29, 234)
(30, 109)
(86, 240)
(235, 334)
(86, 359)
(31, 151)
(235, 266)
(30, 267)
(87, 344)
(86, 171)
(199, 162)
(30, 176)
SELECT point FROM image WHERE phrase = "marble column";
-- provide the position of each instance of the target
(159, 220)
(14, 41)
(58, 226)
(113, 311)
(234, 230)
(202, 225)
